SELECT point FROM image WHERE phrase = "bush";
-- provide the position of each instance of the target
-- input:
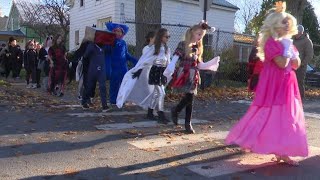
(131, 49)
(230, 68)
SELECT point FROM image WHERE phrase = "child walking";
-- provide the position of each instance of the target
(274, 123)
(144, 84)
(186, 77)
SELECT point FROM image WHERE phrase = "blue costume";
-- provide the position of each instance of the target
(116, 61)
(96, 72)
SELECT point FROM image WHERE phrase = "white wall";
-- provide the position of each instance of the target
(187, 12)
(87, 15)
(129, 15)
(184, 12)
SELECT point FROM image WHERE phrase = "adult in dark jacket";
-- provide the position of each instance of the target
(2, 59)
(11, 58)
(305, 48)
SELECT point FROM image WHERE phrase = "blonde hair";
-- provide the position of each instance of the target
(188, 39)
(269, 28)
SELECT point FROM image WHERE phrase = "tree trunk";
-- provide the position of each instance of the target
(148, 18)
(296, 8)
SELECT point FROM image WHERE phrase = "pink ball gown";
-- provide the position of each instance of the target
(274, 122)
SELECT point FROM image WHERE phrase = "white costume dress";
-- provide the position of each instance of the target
(138, 90)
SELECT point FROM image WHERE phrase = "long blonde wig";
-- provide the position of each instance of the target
(270, 26)
(188, 40)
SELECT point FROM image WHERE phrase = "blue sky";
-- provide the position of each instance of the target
(5, 6)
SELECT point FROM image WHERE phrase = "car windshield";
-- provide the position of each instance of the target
(309, 68)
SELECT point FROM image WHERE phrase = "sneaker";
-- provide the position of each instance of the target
(38, 86)
(28, 86)
(105, 108)
(80, 98)
(33, 86)
(85, 106)
(90, 104)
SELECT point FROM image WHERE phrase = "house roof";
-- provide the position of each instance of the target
(26, 7)
(242, 38)
(17, 33)
(223, 3)
(3, 22)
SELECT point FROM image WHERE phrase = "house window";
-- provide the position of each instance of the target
(81, 3)
(102, 22)
(76, 37)
(122, 15)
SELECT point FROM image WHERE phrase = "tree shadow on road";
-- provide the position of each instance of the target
(308, 169)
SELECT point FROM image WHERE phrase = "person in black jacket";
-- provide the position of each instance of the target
(2, 59)
(11, 58)
(30, 64)
(19, 60)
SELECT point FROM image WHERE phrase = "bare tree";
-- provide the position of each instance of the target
(61, 14)
(148, 18)
(248, 9)
(45, 17)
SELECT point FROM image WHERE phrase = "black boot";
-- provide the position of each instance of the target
(176, 110)
(188, 125)
(162, 118)
(150, 114)
(174, 116)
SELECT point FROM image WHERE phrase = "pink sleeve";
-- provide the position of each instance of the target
(272, 49)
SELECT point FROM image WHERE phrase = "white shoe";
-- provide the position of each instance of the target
(28, 86)
(34, 86)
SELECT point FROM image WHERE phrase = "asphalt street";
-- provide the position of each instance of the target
(63, 141)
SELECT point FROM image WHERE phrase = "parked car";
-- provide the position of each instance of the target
(312, 76)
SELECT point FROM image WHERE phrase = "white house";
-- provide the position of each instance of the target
(187, 12)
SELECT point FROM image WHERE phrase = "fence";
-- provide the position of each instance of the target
(233, 48)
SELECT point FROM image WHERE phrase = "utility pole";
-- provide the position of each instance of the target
(205, 6)
(205, 10)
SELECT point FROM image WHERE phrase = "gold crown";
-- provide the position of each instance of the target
(280, 6)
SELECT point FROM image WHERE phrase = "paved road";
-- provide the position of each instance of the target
(64, 142)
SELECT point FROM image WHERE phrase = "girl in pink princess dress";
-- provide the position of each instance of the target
(274, 123)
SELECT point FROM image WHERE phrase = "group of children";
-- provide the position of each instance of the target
(274, 123)
(49, 59)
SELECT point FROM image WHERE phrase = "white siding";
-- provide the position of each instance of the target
(185, 12)
(88, 15)
(129, 15)
(188, 13)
